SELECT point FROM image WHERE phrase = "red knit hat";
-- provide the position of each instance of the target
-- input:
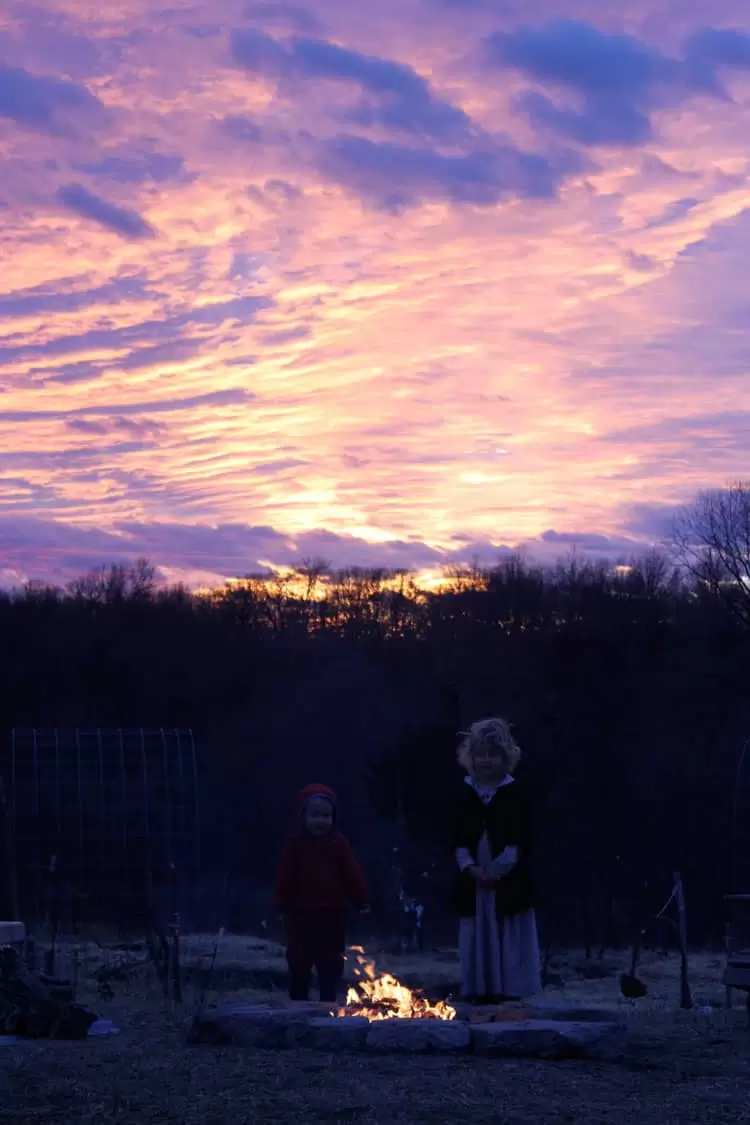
(316, 790)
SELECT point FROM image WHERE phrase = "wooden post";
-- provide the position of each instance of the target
(158, 947)
(686, 1000)
(53, 917)
(728, 997)
(207, 977)
(76, 958)
(174, 931)
(11, 888)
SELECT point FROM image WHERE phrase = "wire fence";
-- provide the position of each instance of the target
(102, 826)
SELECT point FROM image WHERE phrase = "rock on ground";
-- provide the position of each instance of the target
(32, 1009)
(249, 1025)
(347, 1033)
(549, 1039)
(418, 1035)
(261, 1026)
(550, 1010)
(538, 1010)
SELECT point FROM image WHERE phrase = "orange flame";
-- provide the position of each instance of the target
(382, 997)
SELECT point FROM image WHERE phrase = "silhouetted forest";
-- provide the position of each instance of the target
(628, 687)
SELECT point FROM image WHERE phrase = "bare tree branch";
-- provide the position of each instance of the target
(711, 540)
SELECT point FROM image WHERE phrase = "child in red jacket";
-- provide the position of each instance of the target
(318, 878)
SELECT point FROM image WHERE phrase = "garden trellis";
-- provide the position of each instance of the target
(104, 824)
(739, 873)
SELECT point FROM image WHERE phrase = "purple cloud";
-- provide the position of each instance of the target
(86, 426)
(136, 427)
(672, 213)
(138, 168)
(619, 79)
(230, 397)
(120, 220)
(395, 177)
(712, 49)
(69, 373)
(283, 190)
(587, 541)
(64, 459)
(47, 549)
(40, 102)
(150, 332)
(652, 521)
(616, 76)
(171, 351)
(274, 195)
(389, 175)
(403, 98)
(286, 15)
(242, 128)
(64, 297)
(582, 57)
(283, 465)
(605, 122)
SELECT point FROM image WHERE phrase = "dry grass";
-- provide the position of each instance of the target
(683, 1067)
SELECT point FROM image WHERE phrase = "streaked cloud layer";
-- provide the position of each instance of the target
(393, 284)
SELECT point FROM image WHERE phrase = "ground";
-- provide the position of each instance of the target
(682, 1067)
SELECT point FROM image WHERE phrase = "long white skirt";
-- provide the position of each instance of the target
(499, 957)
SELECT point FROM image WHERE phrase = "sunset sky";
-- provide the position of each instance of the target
(397, 283)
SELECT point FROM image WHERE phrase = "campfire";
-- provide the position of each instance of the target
(379, 996)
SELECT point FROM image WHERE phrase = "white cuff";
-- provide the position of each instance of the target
(504, 863)
(464, 859)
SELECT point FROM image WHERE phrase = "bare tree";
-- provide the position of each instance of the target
(312, 572)
(711, 540)
(116, 583)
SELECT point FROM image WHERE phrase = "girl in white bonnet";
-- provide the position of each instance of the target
(493, 893)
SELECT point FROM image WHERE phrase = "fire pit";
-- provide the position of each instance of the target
(382, 997)
(382, 1015)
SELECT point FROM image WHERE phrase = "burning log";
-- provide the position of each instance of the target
(383, 997)
(29, 1007)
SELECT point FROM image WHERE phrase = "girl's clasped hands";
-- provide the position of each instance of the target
(483, 879)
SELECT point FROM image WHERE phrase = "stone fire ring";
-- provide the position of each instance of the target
(538, 1031)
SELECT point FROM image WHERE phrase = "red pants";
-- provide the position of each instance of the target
(316, 939)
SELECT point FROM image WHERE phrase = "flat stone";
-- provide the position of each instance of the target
(12, 933)
(484, 1012)
(100, 1028)
(549, 1039)
(418, 1036)
(549, 1010)
(312, 1008)
(248, 1025)
(517, 1011)
(345, 1033)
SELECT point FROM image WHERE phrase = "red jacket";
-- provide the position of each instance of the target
(319, 872)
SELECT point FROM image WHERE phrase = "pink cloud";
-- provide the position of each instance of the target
(431, 279)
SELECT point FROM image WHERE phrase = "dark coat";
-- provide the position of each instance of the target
(507, 822)
(319, 873)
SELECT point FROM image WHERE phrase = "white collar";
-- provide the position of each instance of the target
(487, 792)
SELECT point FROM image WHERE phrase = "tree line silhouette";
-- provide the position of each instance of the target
(627, 686)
